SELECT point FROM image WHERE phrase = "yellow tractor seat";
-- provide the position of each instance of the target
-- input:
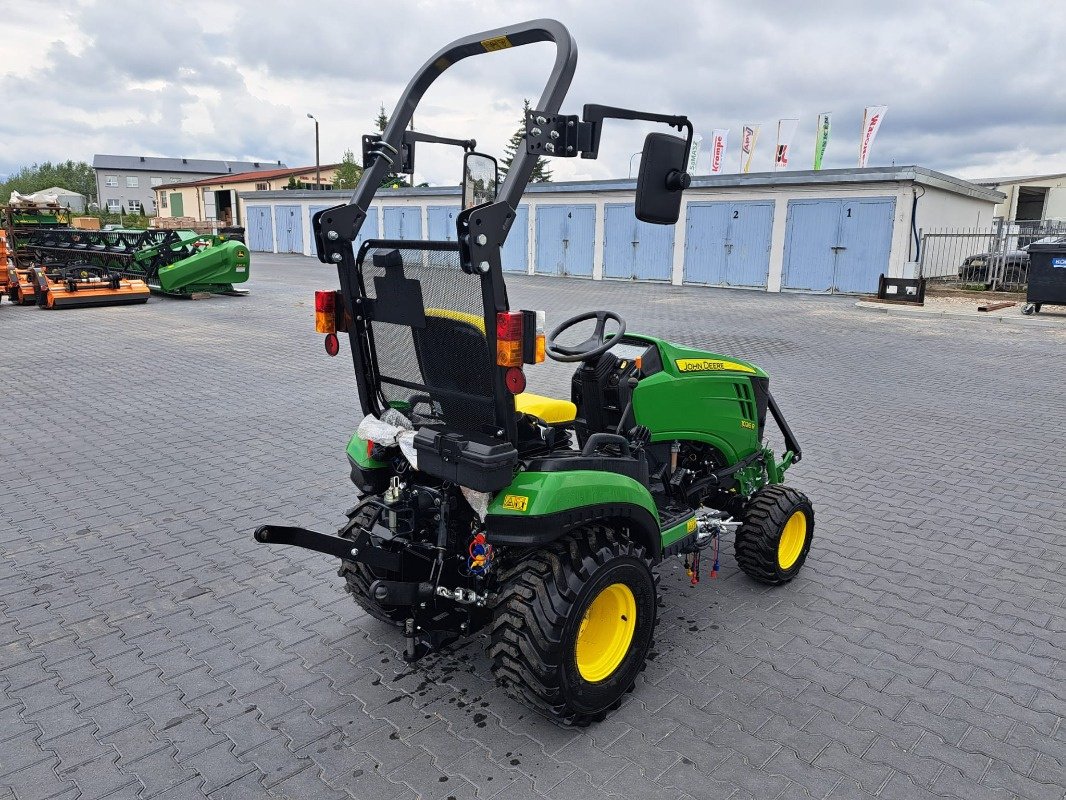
(548, 409)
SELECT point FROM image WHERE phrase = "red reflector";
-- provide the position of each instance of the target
(515, 380)
(325, 302)
(333, 346)
(369, 449)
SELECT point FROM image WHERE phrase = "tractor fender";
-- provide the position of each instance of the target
(539, 507)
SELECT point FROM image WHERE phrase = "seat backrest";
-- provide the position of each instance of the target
(453, 355)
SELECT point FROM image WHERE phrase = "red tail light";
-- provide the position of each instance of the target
(326, 312)
(509, 339)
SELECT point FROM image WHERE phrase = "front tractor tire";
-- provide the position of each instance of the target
(775, 538)
(358, 576)
(573, 623)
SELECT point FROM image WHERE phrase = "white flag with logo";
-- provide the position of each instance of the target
(694, 154)
(871, 121)
(786, 129)
(748, 139)
(718, 145)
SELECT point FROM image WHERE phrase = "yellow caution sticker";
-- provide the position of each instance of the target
(710, 365)
(496, 43)
(516, 502)
(442, 64)
(691, 526)
(747, 423)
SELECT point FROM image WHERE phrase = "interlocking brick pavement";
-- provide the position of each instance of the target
(150, 649)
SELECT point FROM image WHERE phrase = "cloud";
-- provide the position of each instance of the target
(972, 88)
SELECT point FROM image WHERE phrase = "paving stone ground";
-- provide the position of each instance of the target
(149, 648)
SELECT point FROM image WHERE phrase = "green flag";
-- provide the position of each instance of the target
(821, 138)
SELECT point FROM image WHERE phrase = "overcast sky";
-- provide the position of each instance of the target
(972, 88)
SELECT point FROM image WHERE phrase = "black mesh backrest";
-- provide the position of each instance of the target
(448, 360)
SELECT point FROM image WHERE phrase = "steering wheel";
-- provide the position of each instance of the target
(594, 346)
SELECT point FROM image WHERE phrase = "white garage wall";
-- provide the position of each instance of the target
(937, 207)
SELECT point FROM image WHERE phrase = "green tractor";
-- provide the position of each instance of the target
(485, 507)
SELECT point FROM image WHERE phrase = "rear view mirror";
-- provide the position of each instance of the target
(662, 179)
(480, 179)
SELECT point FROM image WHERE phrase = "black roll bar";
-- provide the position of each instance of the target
(337, 228)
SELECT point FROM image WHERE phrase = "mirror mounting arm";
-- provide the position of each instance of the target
(595, 114)
(567, 135)
(374, 148)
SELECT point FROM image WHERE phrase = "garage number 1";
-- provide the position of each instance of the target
(849, 212)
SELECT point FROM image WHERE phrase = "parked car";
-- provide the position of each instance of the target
(1012, 266)
(1009, 267)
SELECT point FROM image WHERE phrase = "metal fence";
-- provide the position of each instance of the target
(995, 257)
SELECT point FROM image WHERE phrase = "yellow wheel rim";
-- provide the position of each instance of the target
(793, 537)
(606, 632)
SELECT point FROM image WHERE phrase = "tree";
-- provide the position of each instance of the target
(348, 173)
(77, 176)
(292, 184)
(541, 171)
(391, 180)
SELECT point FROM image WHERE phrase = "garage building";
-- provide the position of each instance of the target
(825, 231)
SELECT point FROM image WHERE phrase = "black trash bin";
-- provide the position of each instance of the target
(1047, 275)
(234, 232)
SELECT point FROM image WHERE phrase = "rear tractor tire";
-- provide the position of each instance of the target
(573, 624)
(358, 576)
(775, 538)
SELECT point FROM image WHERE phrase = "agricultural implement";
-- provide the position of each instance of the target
(72, 285)
(172, 262)
(538, 520)
(17, 221)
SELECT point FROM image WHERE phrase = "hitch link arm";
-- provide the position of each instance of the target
(360, 549)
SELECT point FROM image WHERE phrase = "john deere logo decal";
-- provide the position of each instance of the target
(516, 502)
(710, 365)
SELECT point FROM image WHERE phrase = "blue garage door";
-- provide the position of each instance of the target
(515, 253)
(403, 222)
(728, 244)
(442, 223)
(837, 245)
(635, 249)
(288, 228)
(369, 229)
(565, 240)
(311, 211)
(260, 229)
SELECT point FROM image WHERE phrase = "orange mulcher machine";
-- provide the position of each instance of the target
(63, 286)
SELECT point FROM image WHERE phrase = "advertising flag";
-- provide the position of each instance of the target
(821, 138)
(747, 146)
(718, 145)
(694, 154)
(871, 121)
(786, 129)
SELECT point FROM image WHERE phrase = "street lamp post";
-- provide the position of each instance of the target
(318, 168)
(639, 152)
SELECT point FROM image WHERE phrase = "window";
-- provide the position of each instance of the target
(156, 180)
(131, 182)
(261, 187)
(111, 180)
(113, 205)
(135, 206)
(163, 199)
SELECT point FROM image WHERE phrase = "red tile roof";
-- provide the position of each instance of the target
(248, 177)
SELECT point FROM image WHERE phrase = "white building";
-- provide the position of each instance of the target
(826, 231)
(1030, 198)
